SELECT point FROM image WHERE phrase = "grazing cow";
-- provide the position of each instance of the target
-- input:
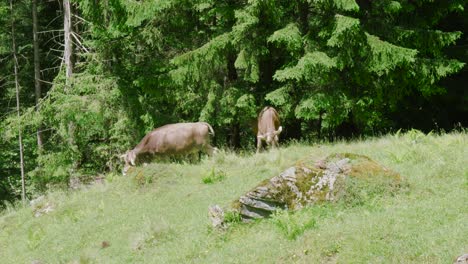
(268, 127)
(172, 139)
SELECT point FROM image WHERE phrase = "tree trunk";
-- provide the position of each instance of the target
(68, 51)
(229, 79)
(235, 136)
(319, 125)
(303, 12)
(37, 67)
(68, 60)
(20, 139)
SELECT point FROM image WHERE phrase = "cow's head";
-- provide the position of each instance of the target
(129, 159)
(271, 138)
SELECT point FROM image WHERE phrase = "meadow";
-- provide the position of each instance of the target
(159, 213)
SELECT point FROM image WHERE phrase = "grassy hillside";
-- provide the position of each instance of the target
(158, 214)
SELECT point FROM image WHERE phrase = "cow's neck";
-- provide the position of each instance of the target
(137, 149)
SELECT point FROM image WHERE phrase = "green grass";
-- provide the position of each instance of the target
(214, 176)
(159, 213)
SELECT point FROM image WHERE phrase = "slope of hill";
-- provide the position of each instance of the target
(158, 213)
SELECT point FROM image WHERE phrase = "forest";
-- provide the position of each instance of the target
(82, 81)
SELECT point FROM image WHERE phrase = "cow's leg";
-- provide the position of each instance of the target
(194, 157)
(275, 143)
(259, 144)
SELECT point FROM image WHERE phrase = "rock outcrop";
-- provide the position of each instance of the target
(463, 259)
(334, 178)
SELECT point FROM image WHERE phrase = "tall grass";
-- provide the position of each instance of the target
(158, 214)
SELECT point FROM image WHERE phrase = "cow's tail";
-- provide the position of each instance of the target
(209, 128)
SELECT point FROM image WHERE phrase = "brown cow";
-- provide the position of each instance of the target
(268, 127)
(173, 139)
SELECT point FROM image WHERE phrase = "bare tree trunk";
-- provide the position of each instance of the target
(68, 60)
(37, 67)
(20, 139)
(68, 51)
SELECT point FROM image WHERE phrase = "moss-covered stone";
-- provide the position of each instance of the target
(347, 177)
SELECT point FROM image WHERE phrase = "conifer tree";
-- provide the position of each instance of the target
(331, 67)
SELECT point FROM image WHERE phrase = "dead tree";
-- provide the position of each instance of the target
(68, 50)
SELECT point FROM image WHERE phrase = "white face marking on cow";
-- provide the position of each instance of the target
(129, 159)
(269, 138)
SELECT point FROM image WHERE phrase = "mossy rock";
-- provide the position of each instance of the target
(346, 177)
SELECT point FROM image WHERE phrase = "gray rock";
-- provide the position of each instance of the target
(258, 203)
(463, 259)
(248, 212)
(40, 206)
(44, 209)
(306, 183)
(216, 215)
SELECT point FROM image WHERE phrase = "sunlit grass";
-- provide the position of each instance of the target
(158, 214)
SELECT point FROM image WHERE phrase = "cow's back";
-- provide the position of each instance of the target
(268, 120)
(178, 138)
